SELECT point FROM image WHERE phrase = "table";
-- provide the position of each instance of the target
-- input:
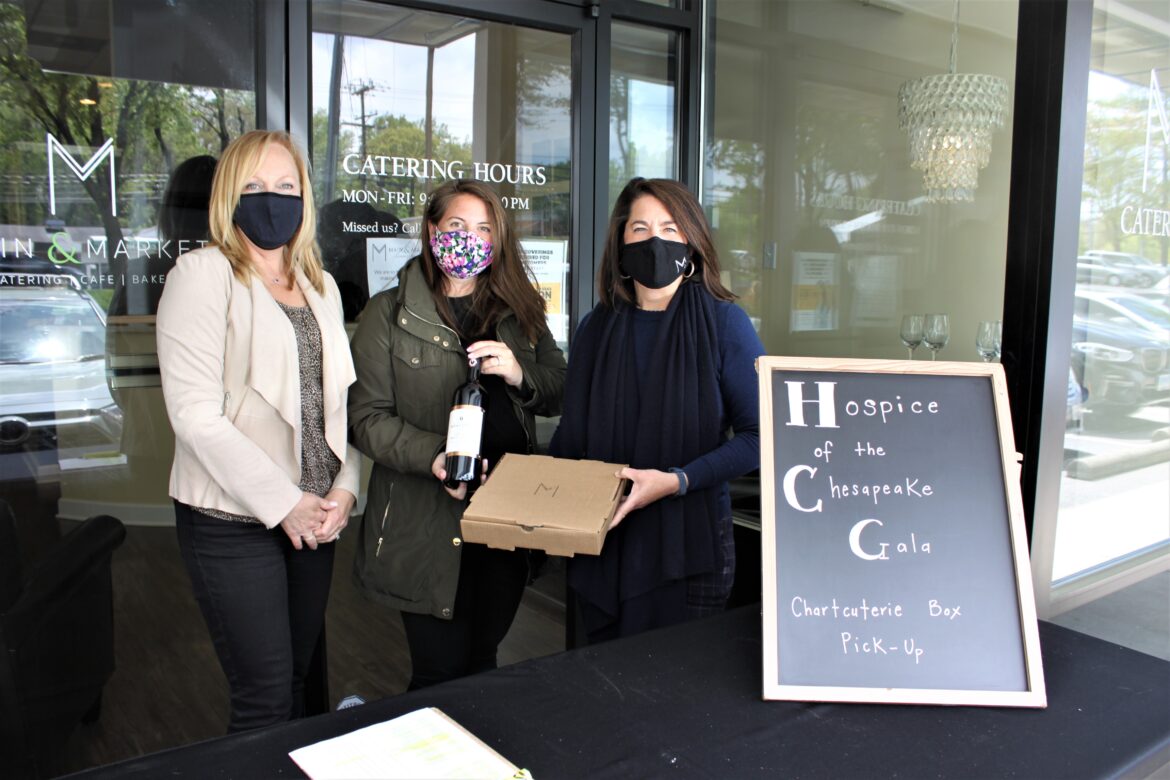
(685, 701)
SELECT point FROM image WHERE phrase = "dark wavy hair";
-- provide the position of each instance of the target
(688, 215)
(505, 284)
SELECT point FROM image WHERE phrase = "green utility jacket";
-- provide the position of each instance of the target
(408, 367)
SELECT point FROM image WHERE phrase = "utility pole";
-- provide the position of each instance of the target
(360, 91)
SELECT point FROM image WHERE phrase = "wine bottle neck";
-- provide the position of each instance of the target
(473, 371)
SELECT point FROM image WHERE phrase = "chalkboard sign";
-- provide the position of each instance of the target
(895, 558)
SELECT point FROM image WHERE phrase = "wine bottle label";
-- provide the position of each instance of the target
(464, 429)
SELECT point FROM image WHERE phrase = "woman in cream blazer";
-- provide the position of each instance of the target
(256, 367)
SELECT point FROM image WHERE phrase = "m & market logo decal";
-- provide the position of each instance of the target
(55, 150)
(62, 250)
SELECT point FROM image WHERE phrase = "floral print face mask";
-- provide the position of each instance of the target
(461, 254)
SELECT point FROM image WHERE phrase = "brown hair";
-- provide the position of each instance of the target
(505, 284)
(236, 166)
(688, 217)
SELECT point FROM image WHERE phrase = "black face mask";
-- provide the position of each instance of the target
(655, 263)
(269, 219)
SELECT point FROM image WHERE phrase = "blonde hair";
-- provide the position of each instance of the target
(236, 166)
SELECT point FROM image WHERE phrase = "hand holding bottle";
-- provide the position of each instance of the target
(496, 358)
(438, 468)
(465, 430)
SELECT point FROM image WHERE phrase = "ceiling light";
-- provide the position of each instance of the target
(950, 118)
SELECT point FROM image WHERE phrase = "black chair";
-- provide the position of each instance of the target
(56, 641)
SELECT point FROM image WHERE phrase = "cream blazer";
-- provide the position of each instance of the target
(231, 382)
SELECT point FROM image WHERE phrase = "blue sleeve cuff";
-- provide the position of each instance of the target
(682, 480)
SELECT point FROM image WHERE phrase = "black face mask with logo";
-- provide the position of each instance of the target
(269, 219)
(655, 263)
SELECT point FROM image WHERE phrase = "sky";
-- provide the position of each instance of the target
(398, 74)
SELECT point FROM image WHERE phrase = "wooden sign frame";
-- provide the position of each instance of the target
(1034, 694)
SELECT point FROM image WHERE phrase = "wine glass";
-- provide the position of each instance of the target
(936, 332)
(987, 340)
(911, 332)
(998, 338)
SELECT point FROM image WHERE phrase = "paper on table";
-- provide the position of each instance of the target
(421, 744)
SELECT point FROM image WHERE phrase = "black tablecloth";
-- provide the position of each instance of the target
(685, 702)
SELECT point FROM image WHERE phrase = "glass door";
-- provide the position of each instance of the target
(404, 99)
(556, 106)
(643, 104)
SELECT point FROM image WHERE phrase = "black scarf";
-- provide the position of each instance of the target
(676, 419)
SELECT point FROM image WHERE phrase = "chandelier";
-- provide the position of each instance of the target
(951, 117)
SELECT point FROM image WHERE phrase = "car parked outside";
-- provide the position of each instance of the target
(1126, 308)
(1146, 271)
(55, 403)
(1158, 292)
(1091, 270)
(1120, 349)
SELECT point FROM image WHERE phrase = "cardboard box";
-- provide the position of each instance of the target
(538, 502)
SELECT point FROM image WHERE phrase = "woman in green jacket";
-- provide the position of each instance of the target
(468, 295)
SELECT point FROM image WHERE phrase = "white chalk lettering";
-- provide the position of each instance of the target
(826, 408)
(790, 488)
(911, 546)
(938, 610)
(871, 407)
(907, 487)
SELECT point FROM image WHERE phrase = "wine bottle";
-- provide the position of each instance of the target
(465, 429)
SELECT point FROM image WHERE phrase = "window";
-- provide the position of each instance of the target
(404, 100)
(113, 117)
(823, 227)
(1115, 488)
(642, 116)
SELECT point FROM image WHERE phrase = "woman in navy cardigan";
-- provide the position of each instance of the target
(660, 373)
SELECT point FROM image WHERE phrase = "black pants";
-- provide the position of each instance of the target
(264, 603)
(491, 584)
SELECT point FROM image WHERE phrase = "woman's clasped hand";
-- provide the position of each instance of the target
(316, 520)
